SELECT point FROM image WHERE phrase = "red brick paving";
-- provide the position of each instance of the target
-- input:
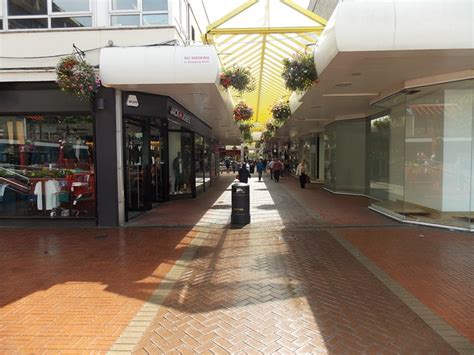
(295, 290)
(290, 292)
(68, 290)
(436, 266)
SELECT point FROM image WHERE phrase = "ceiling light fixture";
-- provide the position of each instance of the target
(343, 84)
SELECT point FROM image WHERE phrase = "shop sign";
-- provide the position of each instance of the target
(132, 101)
(175, 112)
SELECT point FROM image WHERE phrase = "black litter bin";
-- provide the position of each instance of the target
(240, 203)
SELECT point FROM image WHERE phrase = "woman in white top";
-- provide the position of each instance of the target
(301, 172)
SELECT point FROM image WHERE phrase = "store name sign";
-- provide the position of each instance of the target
(132, 101)
(175, 112)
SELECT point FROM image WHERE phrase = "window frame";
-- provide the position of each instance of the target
(139, 11)
(49, 15)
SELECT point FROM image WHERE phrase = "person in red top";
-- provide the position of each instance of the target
(277, 168)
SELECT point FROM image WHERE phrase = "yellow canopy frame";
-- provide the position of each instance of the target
(263, 48)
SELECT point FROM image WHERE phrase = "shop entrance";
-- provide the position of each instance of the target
(143, 166)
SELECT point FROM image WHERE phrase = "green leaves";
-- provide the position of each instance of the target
(299, 72)
(281, 110)
(242, 112)
(77, 77)
(239, 78)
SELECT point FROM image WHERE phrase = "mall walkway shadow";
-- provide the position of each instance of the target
(268, 263)
(35, 260)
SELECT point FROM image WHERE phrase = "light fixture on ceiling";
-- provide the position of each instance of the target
(196, 93)
(208, 108)
(343, 84)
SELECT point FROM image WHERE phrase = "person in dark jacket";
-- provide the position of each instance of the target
(260, 168)
(244, 174)
(277, 168)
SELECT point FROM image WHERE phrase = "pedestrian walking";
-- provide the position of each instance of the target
(244, 174)
(277, 168)
(227, 165)
(270, 167)
(260, 168)
(234, 166)
(301, 171)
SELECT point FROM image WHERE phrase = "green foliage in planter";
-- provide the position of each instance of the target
(239, 78)
(242, 112)
(281, 110)
(299, 71)
(77, 77)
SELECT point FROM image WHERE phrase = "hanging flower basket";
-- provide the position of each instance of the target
(239, 78)
(242, 112)
(299, 72)
(247, 137)
(77, 77)
(266, 136)
(245, 131)
(245, 126)
(270, 126)
(281, 110)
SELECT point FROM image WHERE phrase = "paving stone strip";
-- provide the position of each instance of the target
(145, 316)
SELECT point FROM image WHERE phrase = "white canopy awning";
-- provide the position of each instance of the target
(189, 75)
(370, 49)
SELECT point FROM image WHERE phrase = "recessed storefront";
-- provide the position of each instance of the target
(167, 152)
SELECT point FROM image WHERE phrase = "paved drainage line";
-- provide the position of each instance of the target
(130, 337)
(266, 227)
(438, 324)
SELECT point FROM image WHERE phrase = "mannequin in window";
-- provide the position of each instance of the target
(186, 167)
(178, 173)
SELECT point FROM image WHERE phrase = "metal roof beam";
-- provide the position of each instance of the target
(267, 30)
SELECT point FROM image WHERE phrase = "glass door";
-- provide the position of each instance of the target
(136, 165)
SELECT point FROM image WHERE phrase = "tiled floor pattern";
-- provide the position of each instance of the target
(289, 291)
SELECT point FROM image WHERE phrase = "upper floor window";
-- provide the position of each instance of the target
(139, 12)
(33, 14)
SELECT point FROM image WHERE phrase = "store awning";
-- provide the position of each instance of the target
(189, 75)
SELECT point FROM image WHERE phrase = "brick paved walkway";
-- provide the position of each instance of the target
(313, 272)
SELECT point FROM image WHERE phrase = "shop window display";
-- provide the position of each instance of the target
(46, 166)
(199, 164)
(180, 163)
(207, 162)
